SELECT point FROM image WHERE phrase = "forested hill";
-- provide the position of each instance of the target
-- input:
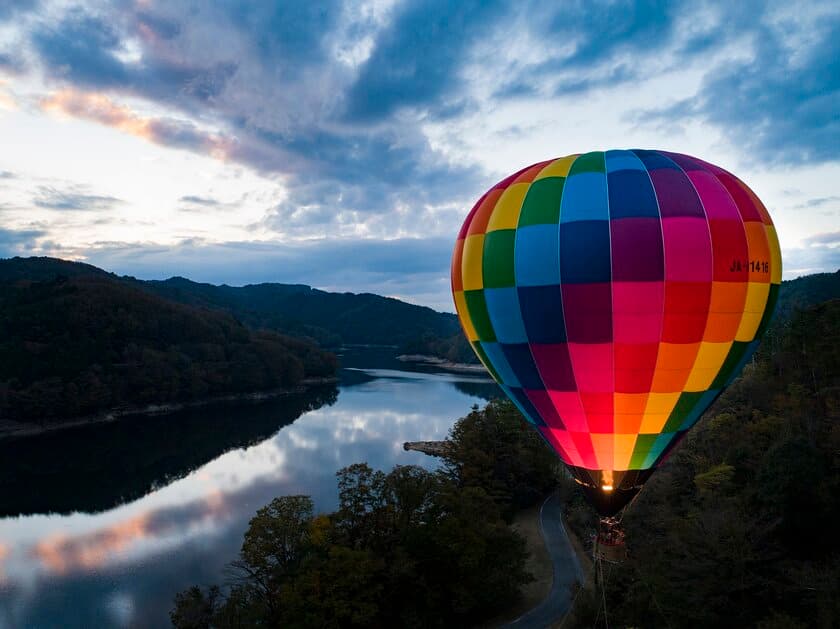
(41, 269)
(806, 291)
(75, 340)
(331, 319)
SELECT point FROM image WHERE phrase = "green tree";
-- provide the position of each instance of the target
(493, 449)
(195, 609)
(274, 547)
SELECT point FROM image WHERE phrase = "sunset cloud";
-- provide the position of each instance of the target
(163, 131)
(7, 98)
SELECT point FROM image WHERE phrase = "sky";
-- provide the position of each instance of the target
(341, 144)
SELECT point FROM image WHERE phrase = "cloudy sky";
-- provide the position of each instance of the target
(340, 144)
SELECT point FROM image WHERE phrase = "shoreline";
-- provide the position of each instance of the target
(441, 363)
(13, 429)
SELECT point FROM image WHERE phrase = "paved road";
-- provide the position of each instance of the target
(567, 570)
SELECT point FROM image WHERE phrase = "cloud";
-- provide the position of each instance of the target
(332, 97)
(202, 205)
(11, 64)
(82, 48)
(6, 174)
(273, 85)
(353, 174)
(333, 176)
(604, 30)
(785, 106)
(820, 252)
(18, 242)
(194, 200)
(95, 51)
(779, 103)
(416, 60)
(8, 8)
(73, 198)
(8, 99)
(613, 76)
(829, 239)
(818, 202)
(166, 132)
(574, 49)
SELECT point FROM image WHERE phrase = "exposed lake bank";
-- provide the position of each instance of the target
(441, 363)
(10, 429)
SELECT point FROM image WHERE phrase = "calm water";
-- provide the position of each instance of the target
(99, 527)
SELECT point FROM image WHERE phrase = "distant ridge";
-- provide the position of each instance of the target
(43, 269)
(807, 291)
(331, 319)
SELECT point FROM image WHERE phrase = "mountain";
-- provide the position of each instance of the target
(75, 340)
(807, 291)
(331, 319)
(41, 269)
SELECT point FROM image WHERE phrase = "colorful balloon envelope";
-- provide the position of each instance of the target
(613, 296)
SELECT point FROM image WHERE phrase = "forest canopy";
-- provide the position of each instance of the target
(74, 346)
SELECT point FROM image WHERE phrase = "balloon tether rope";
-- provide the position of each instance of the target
(653, 597)
(599, 566)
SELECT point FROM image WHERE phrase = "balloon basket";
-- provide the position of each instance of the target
(609, 543)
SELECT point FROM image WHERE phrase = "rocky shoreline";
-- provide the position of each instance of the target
(16, 429)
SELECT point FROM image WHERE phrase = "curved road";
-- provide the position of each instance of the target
(567, 570)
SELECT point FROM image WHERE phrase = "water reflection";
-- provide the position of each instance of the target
(99, 467)
(122, 566)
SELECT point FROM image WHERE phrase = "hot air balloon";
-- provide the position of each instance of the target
(613, 296)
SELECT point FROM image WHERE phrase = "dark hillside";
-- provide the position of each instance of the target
(806, 291)
(76, 345)
(45, 269)
(330, 318)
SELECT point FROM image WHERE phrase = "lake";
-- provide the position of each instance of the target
(100, 526)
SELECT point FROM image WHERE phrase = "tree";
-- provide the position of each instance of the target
(194, 609)
(275, 544)
(494, 449)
